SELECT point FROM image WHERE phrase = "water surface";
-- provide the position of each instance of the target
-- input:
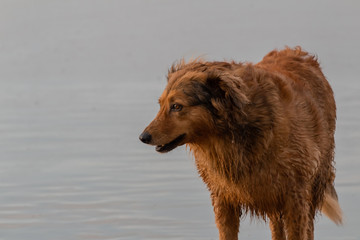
(80, 80)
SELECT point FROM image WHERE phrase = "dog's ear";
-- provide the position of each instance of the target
(228, 91)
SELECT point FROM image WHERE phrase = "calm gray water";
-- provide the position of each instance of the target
(79, 80)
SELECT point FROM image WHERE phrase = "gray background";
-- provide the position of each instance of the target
(79, 80)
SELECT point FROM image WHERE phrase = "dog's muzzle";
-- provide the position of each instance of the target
(145, 137)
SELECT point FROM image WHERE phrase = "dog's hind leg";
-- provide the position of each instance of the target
(277, 227)
(310, 230)
(296, 216)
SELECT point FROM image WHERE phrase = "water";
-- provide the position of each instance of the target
(80, 80)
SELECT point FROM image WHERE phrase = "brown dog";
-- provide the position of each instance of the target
(262, 136)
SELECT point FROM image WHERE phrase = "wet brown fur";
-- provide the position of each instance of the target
(262, 136)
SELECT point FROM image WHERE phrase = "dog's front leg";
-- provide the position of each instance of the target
(227, 219)
(277, 227)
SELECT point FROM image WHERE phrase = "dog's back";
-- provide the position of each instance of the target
(305, 73)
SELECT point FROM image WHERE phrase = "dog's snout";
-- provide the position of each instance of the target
(145, 137)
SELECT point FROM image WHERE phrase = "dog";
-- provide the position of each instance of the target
(262, 136)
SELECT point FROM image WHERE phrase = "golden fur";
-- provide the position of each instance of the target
(262, 136)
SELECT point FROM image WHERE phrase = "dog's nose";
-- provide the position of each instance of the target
(145, 137)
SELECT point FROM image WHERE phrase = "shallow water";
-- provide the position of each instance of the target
(80, 80)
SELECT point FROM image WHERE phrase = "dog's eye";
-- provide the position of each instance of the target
(176, 107)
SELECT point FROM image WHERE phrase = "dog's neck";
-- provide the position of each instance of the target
(218, 155)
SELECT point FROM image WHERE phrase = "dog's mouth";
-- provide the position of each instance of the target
(171, 145)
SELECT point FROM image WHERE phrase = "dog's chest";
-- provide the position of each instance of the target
(251, 191)
(221, 185)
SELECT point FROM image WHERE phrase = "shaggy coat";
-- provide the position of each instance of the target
(262, 136)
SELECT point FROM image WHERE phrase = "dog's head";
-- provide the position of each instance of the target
(193, 105)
